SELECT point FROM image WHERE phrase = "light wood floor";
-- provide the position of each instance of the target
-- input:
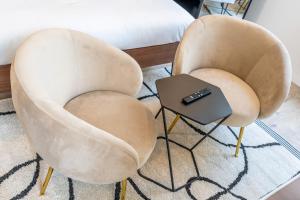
(286, 121)
(290, 192)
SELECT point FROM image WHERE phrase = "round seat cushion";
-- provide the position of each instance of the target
(120, 115)
(244, 102)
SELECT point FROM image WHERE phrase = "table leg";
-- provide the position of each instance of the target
(168, 148)
(157, 113)
(173, 123)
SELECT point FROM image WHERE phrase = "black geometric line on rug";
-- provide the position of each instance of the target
(168, 71)
(16, 168)
(7, 113)
(134, 186)
(200, 178)
(138, 191)
(71, 189)
(149, 88)
(24, 192)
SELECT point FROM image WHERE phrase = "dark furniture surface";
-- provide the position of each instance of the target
(204, 111)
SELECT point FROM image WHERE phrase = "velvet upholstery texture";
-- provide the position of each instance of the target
(57, 66)
(241, 97)
(120, 115)
(246, 50)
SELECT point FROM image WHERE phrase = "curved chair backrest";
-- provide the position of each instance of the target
(49, 69)
(242, 48)
(61, 64)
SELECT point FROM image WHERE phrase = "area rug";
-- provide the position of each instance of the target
(263, 165)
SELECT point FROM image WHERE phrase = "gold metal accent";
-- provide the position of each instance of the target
(173, 123)
(47, 179)
(123, 189)
(239, 141)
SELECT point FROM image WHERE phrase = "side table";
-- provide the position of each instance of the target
(210, 109)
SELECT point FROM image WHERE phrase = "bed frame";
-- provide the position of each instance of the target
(145, 56)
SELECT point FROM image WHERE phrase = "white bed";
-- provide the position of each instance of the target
(126, 24)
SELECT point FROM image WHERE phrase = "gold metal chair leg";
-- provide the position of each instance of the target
(123, 189)
(239, 141)
(47, 179)
(173, 123)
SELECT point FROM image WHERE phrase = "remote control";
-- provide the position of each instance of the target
(196, 96)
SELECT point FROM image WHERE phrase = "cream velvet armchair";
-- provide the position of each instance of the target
(75, 97)
(250, 65)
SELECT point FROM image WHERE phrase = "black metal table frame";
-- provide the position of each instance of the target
(173, 189)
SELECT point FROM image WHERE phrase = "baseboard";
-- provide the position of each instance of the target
(5, 81)
(154, 55)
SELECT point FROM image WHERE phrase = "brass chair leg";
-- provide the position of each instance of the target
(173, 123)
(47, 179)
(239, 141)
(123, 189)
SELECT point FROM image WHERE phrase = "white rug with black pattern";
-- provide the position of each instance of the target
(266, 161)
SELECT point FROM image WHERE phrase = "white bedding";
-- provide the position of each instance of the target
(126, 24)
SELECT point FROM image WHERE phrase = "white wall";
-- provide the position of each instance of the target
(282, 17)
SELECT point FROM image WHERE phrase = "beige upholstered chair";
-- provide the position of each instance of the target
(75, 98)
(249, 64)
